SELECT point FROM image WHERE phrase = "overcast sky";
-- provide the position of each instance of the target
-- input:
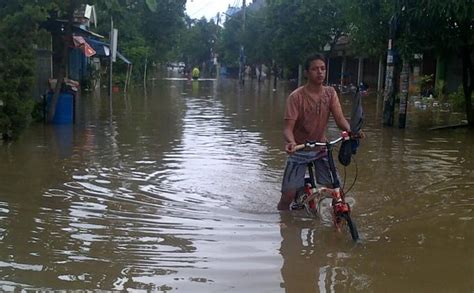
(209, 8)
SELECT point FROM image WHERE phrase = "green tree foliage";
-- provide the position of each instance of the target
(198, 41)
(160, 28)
(254, 36)
(127, 17)
(148, 29)
(285, 30)
(445, 27)
(18, 32)
(258, 48)
(368, 25)
(299, 28)
(231, 39)
(152, 5)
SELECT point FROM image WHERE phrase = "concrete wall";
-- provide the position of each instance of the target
(43, 72)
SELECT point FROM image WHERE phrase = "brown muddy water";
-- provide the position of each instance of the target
(176, 191)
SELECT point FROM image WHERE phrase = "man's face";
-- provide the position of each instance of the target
(317, 71)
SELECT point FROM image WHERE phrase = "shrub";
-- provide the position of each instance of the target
(456, 99)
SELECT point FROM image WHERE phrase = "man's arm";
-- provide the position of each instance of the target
(336, 110)
(341, 120)
(289, 136)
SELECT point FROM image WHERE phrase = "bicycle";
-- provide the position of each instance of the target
(311, 197)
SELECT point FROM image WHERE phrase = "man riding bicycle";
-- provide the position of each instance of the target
(306, 118)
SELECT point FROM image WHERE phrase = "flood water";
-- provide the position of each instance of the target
(176, 191)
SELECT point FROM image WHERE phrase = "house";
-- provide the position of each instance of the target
(86, 49)
(345, 68)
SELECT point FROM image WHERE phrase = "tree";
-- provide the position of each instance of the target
(368, 25)
(148, 29)
(198, 41)
(299, 28)
(444, 27)
(18, 32)
(161, 28)
(257, 38)
(231, 40)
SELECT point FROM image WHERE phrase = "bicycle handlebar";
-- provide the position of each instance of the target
(312, 144)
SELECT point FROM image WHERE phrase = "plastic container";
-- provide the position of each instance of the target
(64, 108)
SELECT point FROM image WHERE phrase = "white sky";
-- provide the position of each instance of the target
(209, 8)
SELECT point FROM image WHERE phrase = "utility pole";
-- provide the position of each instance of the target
(390, 84)
(404, 80)
(215, 60)
(111, 59)
(243, 15)
(242, 51)
(113, 56)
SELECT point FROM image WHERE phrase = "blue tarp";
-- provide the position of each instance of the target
(77, 64)
(102, 49)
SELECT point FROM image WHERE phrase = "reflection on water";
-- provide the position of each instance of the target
(316, 260)
(177, 190)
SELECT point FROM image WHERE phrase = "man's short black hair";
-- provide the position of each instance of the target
(313, 57)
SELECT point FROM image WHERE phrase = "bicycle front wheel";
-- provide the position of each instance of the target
(310, 208)
(351, 225)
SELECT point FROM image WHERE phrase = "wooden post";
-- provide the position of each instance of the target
(360, 71)
(144, 72)
(242, 49)
(404, 78)
(111, 55)
(380, 75)
(390, 87)
(343, 68)
(63, 64)
(275, 72)
(300, 74)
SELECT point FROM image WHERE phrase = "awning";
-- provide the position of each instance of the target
(123, 58)
(80, 42)
(57, 26)
(102, 49)
(85, 31)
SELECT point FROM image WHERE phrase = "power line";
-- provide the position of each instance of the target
(236, 3)
(201, 8)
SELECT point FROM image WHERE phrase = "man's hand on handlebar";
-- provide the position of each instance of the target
(358, 135)
(290, 148)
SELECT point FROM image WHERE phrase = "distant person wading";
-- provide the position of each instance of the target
(196, 73)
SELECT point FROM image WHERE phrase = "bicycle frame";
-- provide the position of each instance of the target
(314, 194)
